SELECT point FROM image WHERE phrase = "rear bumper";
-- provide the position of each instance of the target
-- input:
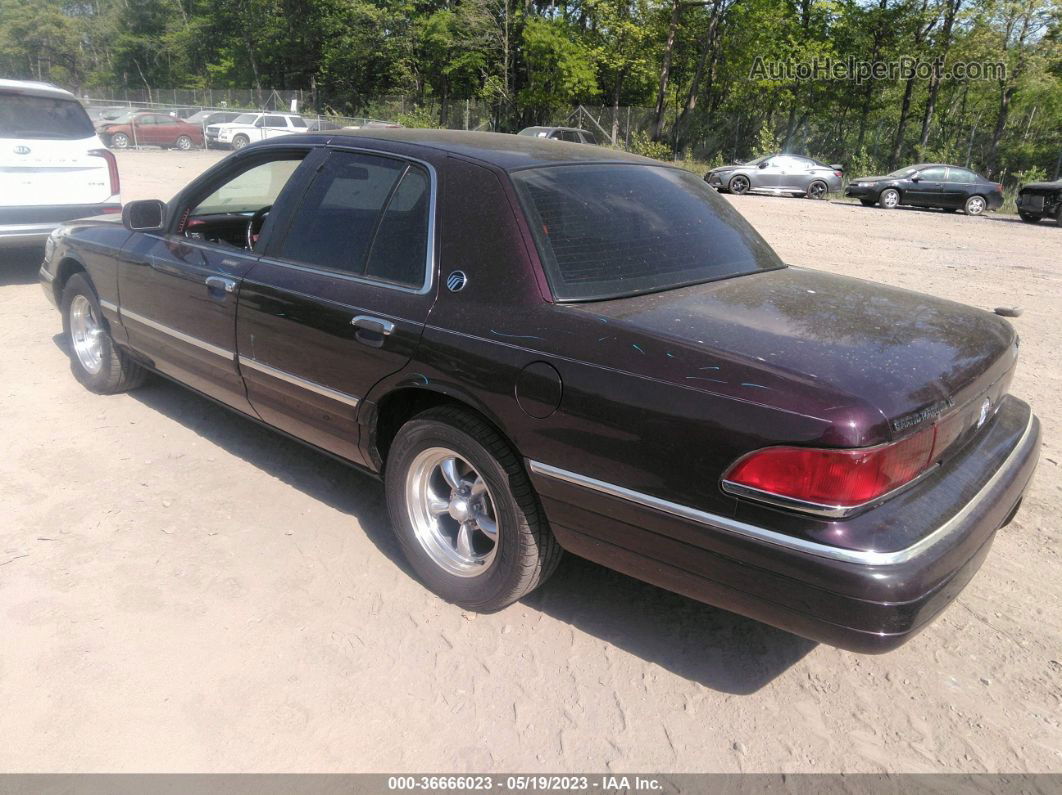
(865, 601)
(26, 226)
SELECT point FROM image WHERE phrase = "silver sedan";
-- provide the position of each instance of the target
(778, 175)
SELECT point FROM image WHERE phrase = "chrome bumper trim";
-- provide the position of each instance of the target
(756, 533)
(180, 335)
(305, 383)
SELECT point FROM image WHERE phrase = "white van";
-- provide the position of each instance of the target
(53, 166)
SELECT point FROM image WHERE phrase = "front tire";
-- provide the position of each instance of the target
(464, 511)
(975, 205)
(889, 199)
(240, 141)
(94, 358)
(739, 184)
(184, 143)
(867, 202)
(119, 141)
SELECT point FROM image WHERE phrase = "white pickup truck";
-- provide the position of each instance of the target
(248, 127)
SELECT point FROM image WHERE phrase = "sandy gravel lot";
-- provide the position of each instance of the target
(181, 590)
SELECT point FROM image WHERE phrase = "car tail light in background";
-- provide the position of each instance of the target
(112, 168)
(835, 478)
(999, 186)
(838, 173)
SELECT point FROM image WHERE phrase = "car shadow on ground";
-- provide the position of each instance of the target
(20, 265)
(717, 649)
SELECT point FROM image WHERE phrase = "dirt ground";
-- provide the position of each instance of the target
(181, 590)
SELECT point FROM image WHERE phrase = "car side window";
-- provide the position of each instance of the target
(934, 174)
(298, 121)
(251, 189)
(275, 121)
(961, 175)
(365, 215)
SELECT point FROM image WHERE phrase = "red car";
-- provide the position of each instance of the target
(150, 129)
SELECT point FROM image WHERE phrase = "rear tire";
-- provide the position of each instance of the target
(95, 360)
(817, 190)
(1029, 219)
(489, 569)
(240, 141)
(184, 143)
(889, 199)
(975, 205)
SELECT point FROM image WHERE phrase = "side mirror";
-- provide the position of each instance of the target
(145, 215)
(915, 178)
(764, 164)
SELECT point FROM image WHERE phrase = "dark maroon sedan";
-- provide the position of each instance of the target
(541, 346)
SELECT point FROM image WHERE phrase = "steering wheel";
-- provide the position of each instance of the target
(254, 226)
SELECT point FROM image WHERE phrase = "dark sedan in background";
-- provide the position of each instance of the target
(778, 174)
(950, 188)
(533, 362)
(1039, 200)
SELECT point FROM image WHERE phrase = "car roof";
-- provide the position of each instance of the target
(509, 152)
(35, 88)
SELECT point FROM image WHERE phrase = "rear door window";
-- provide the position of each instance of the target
(609, 230)
(935, 174)
(23, 116)
(364, 215)
(961, 175)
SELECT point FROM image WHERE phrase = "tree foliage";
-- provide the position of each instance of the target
(683, 68)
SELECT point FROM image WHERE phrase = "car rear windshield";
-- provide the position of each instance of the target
(25, 116)
(611, 230)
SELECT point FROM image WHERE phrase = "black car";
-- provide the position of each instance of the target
(533, 362)
(950, 188)
(1039, 200)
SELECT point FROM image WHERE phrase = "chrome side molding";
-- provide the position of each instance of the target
(180, 335)
(305, 383)
(725, 524)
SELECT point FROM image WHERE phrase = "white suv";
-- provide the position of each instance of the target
(53, 166)
(249, 127)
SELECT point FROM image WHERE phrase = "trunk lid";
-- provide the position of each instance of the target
(874, 362)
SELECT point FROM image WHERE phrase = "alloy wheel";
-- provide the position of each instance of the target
(86, 334)
(890, 199)
(452, 512)
(739, 184)
(975, 205)
(817, 190)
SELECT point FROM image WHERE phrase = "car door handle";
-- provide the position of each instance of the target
(377, 325)
(221, 283)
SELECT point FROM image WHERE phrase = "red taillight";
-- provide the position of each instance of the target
(112, 168)
(841, 478)
(838, 173)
